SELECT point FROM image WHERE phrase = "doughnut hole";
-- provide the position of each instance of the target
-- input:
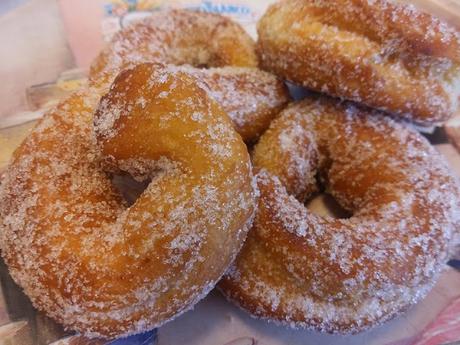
(128, 187)
(324, 204)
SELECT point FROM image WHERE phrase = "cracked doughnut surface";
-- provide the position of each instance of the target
(344, 275)
(95, 264)
(389, 56)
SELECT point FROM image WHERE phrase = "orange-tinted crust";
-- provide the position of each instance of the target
(79, 252)
(388, 56)
(344, 275)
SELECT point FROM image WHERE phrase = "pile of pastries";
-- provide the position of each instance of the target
(188, 102)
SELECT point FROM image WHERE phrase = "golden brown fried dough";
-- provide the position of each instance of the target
(79, 252)
(344, 275)
(175, 37)
(386, 55)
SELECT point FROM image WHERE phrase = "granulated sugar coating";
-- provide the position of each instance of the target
(175, 37)
(344, 275)
(214, 49)
(85, 258)
(386, 55)
(251, 97)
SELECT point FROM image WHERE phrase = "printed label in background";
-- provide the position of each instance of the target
(120, 13)
(247, 13)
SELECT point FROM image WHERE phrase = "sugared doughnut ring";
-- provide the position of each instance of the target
(251, 97)
(344, 275)
(386, 55)
(175, 37)
(70, 241)
(200, 39)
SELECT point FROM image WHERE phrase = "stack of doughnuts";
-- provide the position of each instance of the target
(178, 100)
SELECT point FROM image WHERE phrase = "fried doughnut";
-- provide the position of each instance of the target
(251, 97)
(175, 37)
(344, 275)
(200, 39)
(389, 56)
(79, 252)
